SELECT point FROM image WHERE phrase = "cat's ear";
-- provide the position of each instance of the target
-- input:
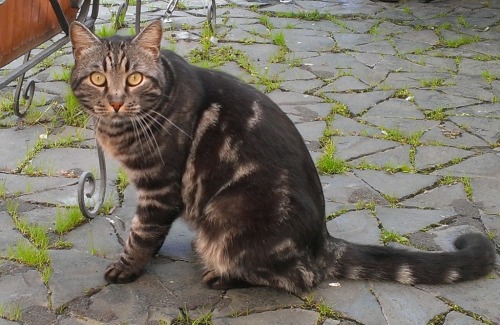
(81, 38)
(150, 38)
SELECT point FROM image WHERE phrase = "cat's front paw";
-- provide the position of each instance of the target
(117, 272)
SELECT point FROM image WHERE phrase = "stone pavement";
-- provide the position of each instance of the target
(406, 95)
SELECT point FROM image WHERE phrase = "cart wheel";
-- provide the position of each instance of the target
(212, 16)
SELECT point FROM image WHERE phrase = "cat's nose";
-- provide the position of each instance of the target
(116, 105)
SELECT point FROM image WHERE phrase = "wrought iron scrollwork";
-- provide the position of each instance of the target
(28, 94)
(172, 4)
(211, 15)
(88, 177)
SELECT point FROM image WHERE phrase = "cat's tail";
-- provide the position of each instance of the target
(475, 257)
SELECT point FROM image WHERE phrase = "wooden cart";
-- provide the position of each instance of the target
(26, 24)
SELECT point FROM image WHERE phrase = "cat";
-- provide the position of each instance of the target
(202, 145)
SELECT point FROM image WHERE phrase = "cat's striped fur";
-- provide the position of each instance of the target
(200, 144)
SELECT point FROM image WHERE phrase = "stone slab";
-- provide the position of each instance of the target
(455, 318)
(395, 107)
(348, 189)
(405, 221)
(242, 301)
(278, 317)
(405, 125)
(352, 147)
(481, 296)
(357, 103)
(98, 237)
(441, 197)
(311, 131)
(74, 273)
(23, 289)
(9, 236)
(486, 165)
(397, 185)
(485, 128)
(407, 305)
(432, 156)
(492, 224)
(16, 184)
(353, 299)
(433, 99)
(350, 127)
(444, 133)
(395, 157)
(358, 226)
(16, 144)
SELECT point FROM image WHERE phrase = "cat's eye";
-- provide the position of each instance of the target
(134, 79)
(98, 79)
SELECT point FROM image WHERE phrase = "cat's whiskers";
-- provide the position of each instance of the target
(149, 134)
(166, 119)
(137, 134)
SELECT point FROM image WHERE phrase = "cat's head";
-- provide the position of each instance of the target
(117, 77)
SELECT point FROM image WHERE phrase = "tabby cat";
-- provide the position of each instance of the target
(201, 144)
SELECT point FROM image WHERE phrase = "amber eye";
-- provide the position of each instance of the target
(134, 79)
(98, 79)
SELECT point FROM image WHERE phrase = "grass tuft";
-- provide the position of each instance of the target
(388, 236)
(29, 255)
(328, 164)
(68, 219)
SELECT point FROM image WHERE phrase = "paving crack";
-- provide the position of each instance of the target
(120, 224)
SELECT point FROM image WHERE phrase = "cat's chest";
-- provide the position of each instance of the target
(118, 142)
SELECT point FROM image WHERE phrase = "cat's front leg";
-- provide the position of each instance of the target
(149, 228)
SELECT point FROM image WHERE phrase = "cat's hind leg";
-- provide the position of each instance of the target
(214, 281)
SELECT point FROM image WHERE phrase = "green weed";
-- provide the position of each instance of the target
(375, 29)
(122, 181)
(68, 219)
(108, 205)
(432, 83)
(393, 200)
(28, 254)
(72, 114)
(184, 319)
(463, 21)
(403, 93)
(445, 25)
(437, 114)
(105, 31)
(305, 15)
(488, 76)
(328, 164)
(3, 189)
(279, 39)
(63, 75)
(407, 10)
(264, 20)
(454, 43)
(466, 181)
(36, 234)
(279, 56)
(398, 135)
(369, 205)
(10, 312)
(388, 236)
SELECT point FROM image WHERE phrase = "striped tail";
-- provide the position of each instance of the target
(475, 257)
